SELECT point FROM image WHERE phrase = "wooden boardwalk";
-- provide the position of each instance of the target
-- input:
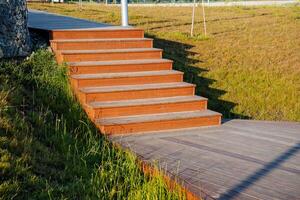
(240, 159)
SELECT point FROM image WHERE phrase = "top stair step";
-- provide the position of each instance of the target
(97, 33)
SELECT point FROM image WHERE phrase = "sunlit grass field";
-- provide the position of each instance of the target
(248, 65)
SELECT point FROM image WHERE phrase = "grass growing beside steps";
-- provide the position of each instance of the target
(50, 150)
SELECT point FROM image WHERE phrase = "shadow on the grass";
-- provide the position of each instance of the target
(180, 53)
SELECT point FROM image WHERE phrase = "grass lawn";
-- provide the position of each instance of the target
(248, 66)
(50, 150)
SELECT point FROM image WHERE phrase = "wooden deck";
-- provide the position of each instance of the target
(240, 160)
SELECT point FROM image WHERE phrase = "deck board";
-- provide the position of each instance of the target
(241, 159)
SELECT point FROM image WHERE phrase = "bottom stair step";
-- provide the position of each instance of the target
(154, 122)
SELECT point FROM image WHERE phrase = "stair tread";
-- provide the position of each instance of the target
(156, 117)
(119, 62)
(101, 29)
(134, 87)
(125, 74)
(109, 50)
(140, 102)
(101, 40)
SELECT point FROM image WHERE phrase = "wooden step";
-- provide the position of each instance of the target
(115, 66)
(156, 122)
(102, 109)
(110, 54)
(126, 78)
(94, 44)
(126, 92)
(99, 33)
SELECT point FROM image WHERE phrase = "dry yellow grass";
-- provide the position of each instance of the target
(249, 66)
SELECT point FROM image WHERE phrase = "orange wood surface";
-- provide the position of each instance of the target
(98, 113)
(94, 45)
(111, 56)
(129, 80)
(96, 34)
(140, 94)
(87, 69)
(159, 125)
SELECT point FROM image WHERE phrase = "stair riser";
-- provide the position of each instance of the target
(100, 45)
(120, 68)
(160, 125)
(77, 83)
(140, 94)
(98, 113)
(112, 56)
(96, 34)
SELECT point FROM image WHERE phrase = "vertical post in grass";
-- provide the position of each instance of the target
(193, 19)
(80, 4)
(124, 10)
(204, 21)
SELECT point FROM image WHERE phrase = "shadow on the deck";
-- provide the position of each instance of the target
(180, 53)
(260, 173)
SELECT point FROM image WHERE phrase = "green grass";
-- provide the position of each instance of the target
(50, 150)
(248, 65)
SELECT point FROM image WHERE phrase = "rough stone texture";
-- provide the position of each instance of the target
(14, 34)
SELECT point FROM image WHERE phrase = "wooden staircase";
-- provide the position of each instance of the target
(125, 85)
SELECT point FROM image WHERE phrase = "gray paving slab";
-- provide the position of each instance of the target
(48, 21)
(241, 159)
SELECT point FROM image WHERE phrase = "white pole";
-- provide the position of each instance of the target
(204, 21)
(124, 10)
(193, 18)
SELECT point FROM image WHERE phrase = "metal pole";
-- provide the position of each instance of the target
(124, 10)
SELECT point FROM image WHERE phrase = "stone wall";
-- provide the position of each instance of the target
(14, 34)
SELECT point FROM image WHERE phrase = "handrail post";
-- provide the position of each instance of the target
(124, 10)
